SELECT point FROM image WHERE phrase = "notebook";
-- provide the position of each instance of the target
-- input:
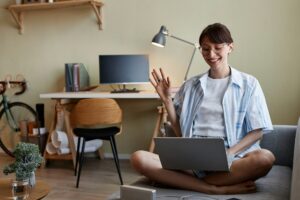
(177, 153)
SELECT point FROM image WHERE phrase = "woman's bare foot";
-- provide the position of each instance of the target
(241, 188)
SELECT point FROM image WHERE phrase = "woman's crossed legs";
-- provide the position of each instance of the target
(240, 179)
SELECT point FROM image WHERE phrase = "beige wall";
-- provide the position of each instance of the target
(266, 35)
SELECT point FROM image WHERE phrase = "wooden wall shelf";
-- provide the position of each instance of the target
(17, 11)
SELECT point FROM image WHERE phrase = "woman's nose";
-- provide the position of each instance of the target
(211, 53)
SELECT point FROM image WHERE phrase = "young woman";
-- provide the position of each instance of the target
(222, 102)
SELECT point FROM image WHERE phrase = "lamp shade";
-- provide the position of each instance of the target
(160, 38)
(160, 41)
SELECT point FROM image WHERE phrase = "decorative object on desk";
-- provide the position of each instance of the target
(76, 77)
(27, 159)
(160, 40)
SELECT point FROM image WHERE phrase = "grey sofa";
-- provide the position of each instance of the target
(281, 183)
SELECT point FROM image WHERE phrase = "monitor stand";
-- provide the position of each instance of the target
(125, 90)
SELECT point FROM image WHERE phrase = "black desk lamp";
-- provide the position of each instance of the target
(160, 41)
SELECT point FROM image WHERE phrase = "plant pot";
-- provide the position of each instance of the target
(32, 180)
(20, 189)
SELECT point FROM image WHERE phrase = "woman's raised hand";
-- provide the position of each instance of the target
(162, 84)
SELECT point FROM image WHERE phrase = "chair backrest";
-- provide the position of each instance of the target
(93, 112)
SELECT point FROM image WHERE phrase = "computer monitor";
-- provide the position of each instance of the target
(124, 69)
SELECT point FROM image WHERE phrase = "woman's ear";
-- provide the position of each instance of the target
(230, 47)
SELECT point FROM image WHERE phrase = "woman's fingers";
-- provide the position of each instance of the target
(152, 82)
(156, 76)
(160, 78)
(168, 81)
(162, 74)
(165, 79)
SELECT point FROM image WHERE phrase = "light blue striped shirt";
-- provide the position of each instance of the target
(244, 106)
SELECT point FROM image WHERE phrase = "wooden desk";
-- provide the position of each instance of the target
(94, 94)
(39, 191)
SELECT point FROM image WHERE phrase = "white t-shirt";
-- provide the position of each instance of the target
(209, 120)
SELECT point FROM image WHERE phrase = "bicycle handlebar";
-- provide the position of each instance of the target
(18, 83)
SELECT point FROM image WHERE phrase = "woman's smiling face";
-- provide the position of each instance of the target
(215, 55)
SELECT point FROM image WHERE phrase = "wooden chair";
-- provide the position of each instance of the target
(86, 117)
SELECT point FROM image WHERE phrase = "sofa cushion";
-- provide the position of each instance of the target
(295, 193)
(274, 186)
(281, 143)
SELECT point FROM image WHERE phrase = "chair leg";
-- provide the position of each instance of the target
(80, 162)
(77, 155)
(116, 158)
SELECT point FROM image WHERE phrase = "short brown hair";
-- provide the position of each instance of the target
(216, 33)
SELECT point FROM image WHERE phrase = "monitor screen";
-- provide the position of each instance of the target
(123, 69)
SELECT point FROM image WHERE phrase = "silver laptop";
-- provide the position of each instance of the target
(179, 153)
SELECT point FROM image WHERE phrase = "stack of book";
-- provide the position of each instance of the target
(76, 77)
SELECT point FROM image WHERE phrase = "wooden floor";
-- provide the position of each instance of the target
(99, 178)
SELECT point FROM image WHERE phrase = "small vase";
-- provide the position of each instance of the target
(32, 179)
(20, 189)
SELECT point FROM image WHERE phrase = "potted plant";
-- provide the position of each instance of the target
(27, 159)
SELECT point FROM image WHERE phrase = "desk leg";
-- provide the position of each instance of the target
(52, 128)
(161, 118)
(59, 123)
(70, 136)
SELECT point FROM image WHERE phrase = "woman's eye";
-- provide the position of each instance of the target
(219, 47)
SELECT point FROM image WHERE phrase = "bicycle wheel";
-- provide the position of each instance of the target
(10, 133)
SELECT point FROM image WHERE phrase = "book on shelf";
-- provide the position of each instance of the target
(76, 77)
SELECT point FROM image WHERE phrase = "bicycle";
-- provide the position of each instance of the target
(11, 114)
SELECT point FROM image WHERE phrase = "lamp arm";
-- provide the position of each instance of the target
(189, 66)
(177, 38)
(196, 46)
